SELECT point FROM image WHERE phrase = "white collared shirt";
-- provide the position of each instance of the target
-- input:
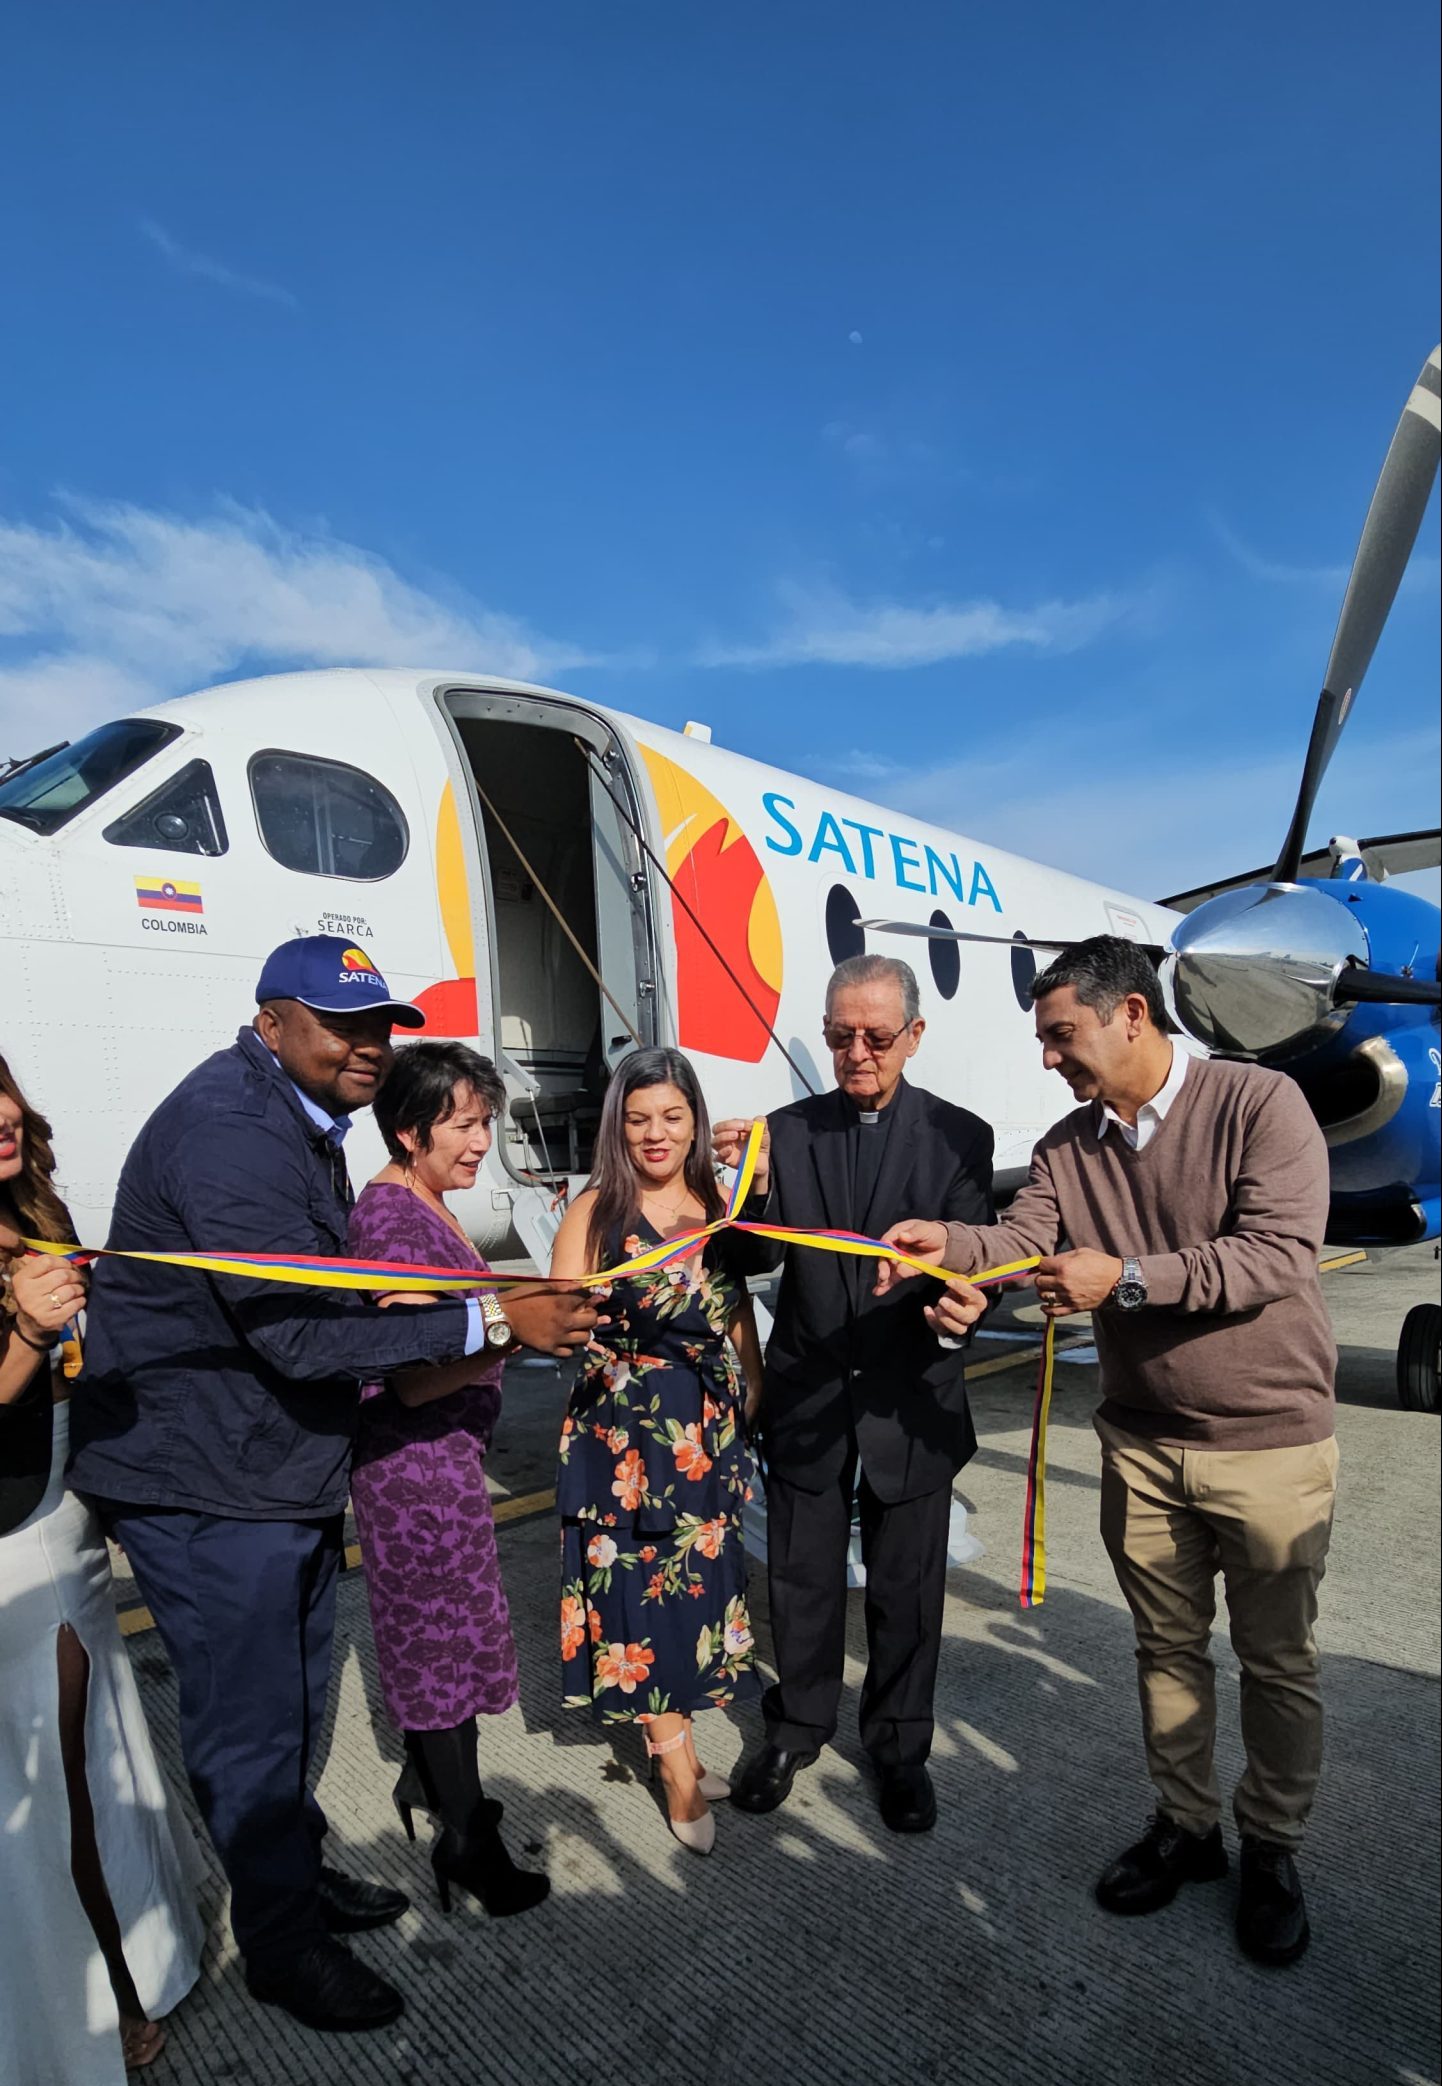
(1152, 1114)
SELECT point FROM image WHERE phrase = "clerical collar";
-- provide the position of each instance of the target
(869, 1116)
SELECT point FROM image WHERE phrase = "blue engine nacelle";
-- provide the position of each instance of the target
(1265, 972)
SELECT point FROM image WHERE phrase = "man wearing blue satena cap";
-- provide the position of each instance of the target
(213, 1426)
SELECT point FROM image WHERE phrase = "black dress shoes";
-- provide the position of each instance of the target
(1271, 1911)
(765, 1781)
(908, 1801)
(1150, 1874)
(349, 1906)
(326, 1987)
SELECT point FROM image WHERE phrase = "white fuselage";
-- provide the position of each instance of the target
(351, 802)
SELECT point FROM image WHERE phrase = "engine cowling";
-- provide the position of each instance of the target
(1253, 973)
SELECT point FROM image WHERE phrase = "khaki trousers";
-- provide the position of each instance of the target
(1171, 1518)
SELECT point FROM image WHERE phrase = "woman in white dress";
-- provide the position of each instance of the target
(99, 1929)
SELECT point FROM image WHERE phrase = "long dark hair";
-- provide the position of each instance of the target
(31, 1198)
(613, 1177)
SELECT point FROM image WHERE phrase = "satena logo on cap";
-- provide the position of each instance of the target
(333, 976)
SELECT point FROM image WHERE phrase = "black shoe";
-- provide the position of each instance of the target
(1150, 1874)
(481, 1864)
(409, 1795)
(326, 1987)
(1271, 1911)
(349, 1906)
(765, 1781)
(908, 1800)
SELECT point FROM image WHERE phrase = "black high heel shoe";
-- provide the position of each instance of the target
(481, 1864)
(409, 1795)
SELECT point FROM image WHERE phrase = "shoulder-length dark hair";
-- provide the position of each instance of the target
(31, 1198)
(618, 1204)
(420, 1091)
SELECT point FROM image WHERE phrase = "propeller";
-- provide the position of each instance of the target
(1265, 963)
(999, 941)
(1388, 534)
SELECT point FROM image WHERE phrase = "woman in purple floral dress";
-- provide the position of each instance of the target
(418, 1487)
(654, 1468)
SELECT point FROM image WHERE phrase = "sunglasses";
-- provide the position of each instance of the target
(877, 1041)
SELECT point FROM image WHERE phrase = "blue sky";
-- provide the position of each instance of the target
(975, 407)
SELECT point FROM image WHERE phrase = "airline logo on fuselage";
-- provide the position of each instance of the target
(874, 853)
(723, 917)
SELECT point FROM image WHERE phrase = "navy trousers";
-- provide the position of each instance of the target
(246, 1610)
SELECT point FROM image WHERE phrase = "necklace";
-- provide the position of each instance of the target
(672, 1216)
(433, 1202)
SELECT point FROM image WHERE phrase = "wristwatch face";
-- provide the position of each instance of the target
(1129, 1296)
(498, 1332)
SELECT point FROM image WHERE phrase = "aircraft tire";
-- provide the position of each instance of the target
(1417, 1358)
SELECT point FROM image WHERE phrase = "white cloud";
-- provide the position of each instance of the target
(1158, 827)
(111, 606)
(825, 627)
(1420, 577)
(188, 262)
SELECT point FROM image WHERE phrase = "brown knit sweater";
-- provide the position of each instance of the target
(1225, 1208)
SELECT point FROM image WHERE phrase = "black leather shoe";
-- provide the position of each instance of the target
(765, 1781)
(326, 1987)
(908, 1801)
(1150, 1874)
(349, 1906)
(1271, 1911)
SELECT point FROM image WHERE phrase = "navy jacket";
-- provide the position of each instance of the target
(216, 1393)
(849, 1372)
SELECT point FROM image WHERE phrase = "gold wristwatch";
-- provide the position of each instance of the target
(498, 1326)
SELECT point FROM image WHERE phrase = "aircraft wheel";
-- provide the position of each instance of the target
(1418, 1359)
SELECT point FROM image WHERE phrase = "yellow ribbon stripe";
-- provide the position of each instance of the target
(359, 1275)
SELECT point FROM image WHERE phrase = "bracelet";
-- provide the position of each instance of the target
(35, 1346)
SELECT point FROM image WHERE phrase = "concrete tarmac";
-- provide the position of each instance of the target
(815, 1946)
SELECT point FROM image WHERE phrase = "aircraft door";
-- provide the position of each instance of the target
(624, 940)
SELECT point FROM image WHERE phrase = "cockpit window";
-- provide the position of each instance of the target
(183, 816)
(326, 819)
(48, 793)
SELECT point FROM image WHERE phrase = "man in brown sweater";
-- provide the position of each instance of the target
(1184, 1204)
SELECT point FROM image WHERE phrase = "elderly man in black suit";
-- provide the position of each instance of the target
(853, 1379)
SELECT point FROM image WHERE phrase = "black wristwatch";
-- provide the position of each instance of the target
(1130, 1293)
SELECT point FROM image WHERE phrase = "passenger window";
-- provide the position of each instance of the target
(183, 815)
(326, 819)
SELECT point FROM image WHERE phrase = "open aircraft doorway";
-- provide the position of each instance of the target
(568, 925)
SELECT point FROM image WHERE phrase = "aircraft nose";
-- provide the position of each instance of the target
(1254, 971)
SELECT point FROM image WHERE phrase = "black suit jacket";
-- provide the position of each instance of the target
(843, 1365)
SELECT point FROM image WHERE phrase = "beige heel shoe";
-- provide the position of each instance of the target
(715, 1788)
(697, 1835)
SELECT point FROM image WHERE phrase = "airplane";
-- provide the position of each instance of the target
(555, 882)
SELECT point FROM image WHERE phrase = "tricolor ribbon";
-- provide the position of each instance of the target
(394, 1276)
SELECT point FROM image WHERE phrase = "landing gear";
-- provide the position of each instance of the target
(1417, 1358)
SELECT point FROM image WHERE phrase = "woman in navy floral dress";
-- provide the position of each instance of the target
(654, 1470)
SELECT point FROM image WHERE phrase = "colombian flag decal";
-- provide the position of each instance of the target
(155, 894)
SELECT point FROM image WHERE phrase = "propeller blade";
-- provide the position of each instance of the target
(997, 941)
(957, 934)
(1388, 535)
(1359, 986)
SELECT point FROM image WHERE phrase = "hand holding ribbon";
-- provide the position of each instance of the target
(892, 1254)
